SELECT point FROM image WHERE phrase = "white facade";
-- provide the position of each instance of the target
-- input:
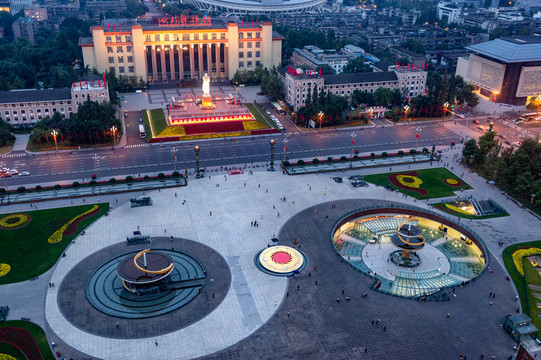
(449, 12)
(18, 5)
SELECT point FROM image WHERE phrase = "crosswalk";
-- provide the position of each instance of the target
(12, 155)
(135, 145)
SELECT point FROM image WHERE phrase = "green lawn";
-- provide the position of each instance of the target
(37, 333)
(531, 276)
(11, 351)
(466, 216)
(158, 121)
(517, 278)
(27, 249)
(258, 115)
(433, 182)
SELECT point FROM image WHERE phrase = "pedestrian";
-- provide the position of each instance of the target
(372, 322)
(171, 238)
(165, 231)
(338, 299)
(384, 328)
(494, 295)
(288, 314)
(342, 291)
(211, 213)
(448, 314)
(213, 295)
(252, 223)
(491, 303)
(490, 295)
(298, 287)
(156, 342)
(316, 282)
(117, 324)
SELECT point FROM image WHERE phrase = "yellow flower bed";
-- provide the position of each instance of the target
(414, 182)
(21, 219)
(6, 357)
(214, 136)
(451, 181)
(4, 269)
(253, 125)
(457, 209)
(173, 131)
(57, 236)
(520, 253)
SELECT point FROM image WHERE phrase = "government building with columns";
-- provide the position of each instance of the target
(176, 48)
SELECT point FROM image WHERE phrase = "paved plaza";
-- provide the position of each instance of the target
(254, 315)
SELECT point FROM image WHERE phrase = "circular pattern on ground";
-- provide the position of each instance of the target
(14, 221)
(280, 260)
(407, 181)
(106, 292)
(453, 182)
(6, 357)
(75, 307)
(4, 269)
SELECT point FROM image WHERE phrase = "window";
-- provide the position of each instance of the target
(109, 50)
(249, 35)
(222, 36)
(61, 102)
(111, 69)
(119, 49)
(205, 36)
(148, 38)
(249, 45)
(258, 44)
(257, 63)
(241, 55)
(121, 59)
(249, 64)
(69, 109)
(53, 103)
(121, 70)
(241, 35)
(214, 36)
(166, 37)
(108, 39)
(249, 54)
(241, 45)
(157, 37)
(241, 64)
(54, 110)
(128, 38)
(130, 59)
(196, 36)
(131, 69)
(118, 38)
(258, 54)
(129, 48)
(185, 37)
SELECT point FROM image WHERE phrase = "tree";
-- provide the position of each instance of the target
(356, 65)
(470, 149)
(273, 86)
(413, 45)
(383, 96)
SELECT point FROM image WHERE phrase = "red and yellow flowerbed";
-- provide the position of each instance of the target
(453, 182)
(518, 254)
(14, 221)
(408, 181)
(70, 227)
(22, 340)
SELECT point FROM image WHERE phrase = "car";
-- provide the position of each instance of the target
(476, 122)
(125, 113)
(14, 171)
(502, 136)
(388, 187)
(140, 120)
(24, 173)
(5, 174)
(268, 112)
(359, 184)
(338, 179)
(355, 177)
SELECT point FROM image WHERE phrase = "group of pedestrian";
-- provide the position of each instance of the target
(51, 284)
(254, 224)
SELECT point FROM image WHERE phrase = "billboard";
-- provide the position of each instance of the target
(485, 73)
(529, 83)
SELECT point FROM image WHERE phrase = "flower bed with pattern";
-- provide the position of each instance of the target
(520, 253)
(408, 181)
(453, 182)
(22, 340)
(56, 237)
(14, 221)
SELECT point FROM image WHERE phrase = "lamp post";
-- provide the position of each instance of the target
(272, 155)
(2, 166)
(320, 115)
(406, 108)
(197, 173)
(285, 148)
(54, 133)
(173, 151)
(465, 133)
(113, 130)
(353, 136)
(531, 201)
(97, 157)
(445, 106)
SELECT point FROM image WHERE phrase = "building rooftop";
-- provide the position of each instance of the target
(383, 65)
(366, 77)
(31, 95)
(511, 49)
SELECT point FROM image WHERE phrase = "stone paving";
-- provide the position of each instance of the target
(266, 317)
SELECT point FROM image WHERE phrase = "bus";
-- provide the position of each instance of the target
(142, 133)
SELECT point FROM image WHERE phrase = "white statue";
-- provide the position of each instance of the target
(206, 85)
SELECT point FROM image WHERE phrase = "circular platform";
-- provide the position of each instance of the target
(105, 291)
(281, 260)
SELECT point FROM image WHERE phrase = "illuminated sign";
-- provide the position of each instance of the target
(185, 20)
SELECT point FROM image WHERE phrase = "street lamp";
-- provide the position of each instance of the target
(320, 115)
(197, 173)
(445, 106)
(97, 157)
(272, 155)
(113, 130)
(285, 148)
(353, 136)
(3, 172)
(465, 132)
(406, 108)
(173, 151)
(54, 133)
(531, 201)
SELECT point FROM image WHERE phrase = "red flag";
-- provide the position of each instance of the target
(92, 83)
(99, 83)
(114, 26)
(286, 148)
(233, 139)
(241, 23)
(417, 136)
(82, 135)
(96, 134)
(256, 23)
(107, 26)
(80, 84)
(319, 71)
(427, 65)
(353, 141)
(61, 137)
(47, 138)
(104, 82)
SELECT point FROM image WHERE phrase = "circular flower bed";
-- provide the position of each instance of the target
(520, 253)
(408, 181)
(453, 182)
(4, 269)
(14, 221)
(6, 357)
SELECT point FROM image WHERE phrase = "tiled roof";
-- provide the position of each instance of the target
(510, 50)
(30, 95)
(366, 77)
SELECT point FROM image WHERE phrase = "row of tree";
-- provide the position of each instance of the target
(326, 108)
(516, 171)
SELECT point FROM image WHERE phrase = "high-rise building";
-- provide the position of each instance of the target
(25, 28)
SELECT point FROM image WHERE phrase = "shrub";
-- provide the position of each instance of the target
(372, 155)
(57, 187)
(112, 180)
(38, 187)
(21, 189)
(425, 150)
(146, 177)
(343, 158)
(175, 174)
(161, 175)
(75, 184)
(93, 182)
(384, 154)
(329, 159)
(300, 162)
(315, 161)
(129, 178)
(413, 151)
(355, 156)
(286, 163)
(400, 152)
(2, 190)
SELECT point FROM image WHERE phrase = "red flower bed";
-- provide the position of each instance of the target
(22, 340)
(73, 226)
(220, 126)
(450, 182)
(393, 180)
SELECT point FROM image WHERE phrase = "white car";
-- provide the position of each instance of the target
(24, 173)
(268, 112)
(14, 171)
